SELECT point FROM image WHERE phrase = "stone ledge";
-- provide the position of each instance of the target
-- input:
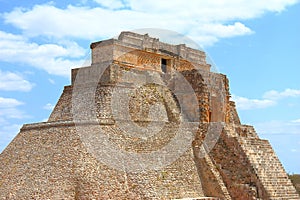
(107, 121)
(41, 125)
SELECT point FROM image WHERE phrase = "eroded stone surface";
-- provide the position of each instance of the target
(52, 161)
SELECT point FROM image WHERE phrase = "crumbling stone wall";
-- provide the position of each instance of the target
(235, 169)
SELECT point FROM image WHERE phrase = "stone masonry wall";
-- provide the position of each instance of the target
(63, 108)
(74, 171)
(146, 43)
(268, 168)
(49, 161)
(52, 160)
(236, 170)
(249, 167)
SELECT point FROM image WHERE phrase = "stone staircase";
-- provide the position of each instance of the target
(268, 168)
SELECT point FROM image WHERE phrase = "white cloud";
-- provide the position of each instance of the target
(278, 127)
(243, 103)
(48, 106)
(214, 9)
(7, 133)
(12, 113)
(269, 98)
(223, 31)
(51, 81)
(9, 102)
(111, 4)
(296, 121)
(8, 109)
(273, 94)
(10, 81)
(204, 21)
(208, 34)
(53, 58)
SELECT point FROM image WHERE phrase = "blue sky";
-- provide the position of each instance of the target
(256, 44)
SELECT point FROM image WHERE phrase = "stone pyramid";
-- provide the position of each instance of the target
(147, 120)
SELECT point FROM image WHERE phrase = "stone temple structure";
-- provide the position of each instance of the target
(147, 120)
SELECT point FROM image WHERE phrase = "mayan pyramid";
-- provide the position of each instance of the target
(147, 120)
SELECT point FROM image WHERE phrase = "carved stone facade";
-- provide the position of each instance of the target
(50, 160)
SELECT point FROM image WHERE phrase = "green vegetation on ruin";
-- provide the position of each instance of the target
(295, 178)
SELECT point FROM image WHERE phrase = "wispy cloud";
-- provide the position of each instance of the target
(54, 58)
(10, 81)
(7, 133)
(273, 94)
(224, 10)
(8, 109)
(296, 121)
(111, 4)
(48, 106)
(9, 102)
(269, 98)
(243, 103)
(51, 81)
(206, 22)
(278, 127)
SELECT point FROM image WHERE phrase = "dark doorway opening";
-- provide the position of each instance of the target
(164, 65)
